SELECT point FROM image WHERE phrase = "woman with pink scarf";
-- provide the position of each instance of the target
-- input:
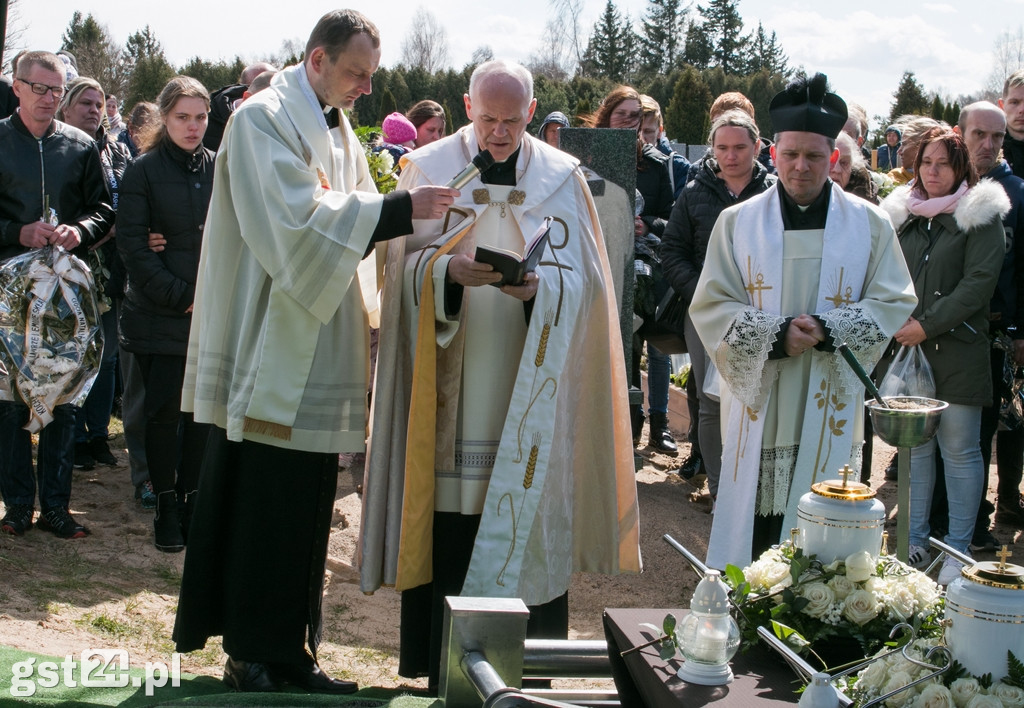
(950, 230)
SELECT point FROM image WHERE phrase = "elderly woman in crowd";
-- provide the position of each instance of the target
(729, 174)
(428, 118)
(622, 109)
(850, 171)
(83, 107)
(950, 230)
(167, 192)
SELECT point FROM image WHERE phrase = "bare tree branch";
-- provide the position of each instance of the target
(426, 45)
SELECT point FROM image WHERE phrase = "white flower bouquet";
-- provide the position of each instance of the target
(50, 334)
(952, 689)
(810, 605)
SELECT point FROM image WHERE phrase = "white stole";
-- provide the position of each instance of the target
(758, 241)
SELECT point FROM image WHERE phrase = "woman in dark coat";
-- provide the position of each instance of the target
(728, 175)
(165, 193)
(951, 233)
(622, 109)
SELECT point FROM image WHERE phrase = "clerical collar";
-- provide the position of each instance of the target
(798, 218)
(502, 173)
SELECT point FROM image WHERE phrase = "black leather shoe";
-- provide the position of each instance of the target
(311, 679)
(249, 677)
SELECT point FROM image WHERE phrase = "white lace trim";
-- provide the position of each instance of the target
(775, 480)
(742, 357)
(853, 325)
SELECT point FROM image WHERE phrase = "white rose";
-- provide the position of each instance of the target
(1011, 696)
(981, 700)
(963, 690)
(874, 676)
(860, 607)
(934, 695)
(819, 599)
(901, 602)
(897, 680)
(776, 574)
(860, 566)
(924, 588)
(841, 587)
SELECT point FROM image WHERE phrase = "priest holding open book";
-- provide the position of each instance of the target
(499, 459)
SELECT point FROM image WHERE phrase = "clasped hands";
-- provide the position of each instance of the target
(804, 333)
(39, 234)
(466, 271)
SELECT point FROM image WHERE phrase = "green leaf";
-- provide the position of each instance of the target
(734, 574)
(1015, 676)
(668, 625)
(800, 603)
(789, 635)
(667, 650)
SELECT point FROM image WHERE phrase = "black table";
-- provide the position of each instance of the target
(643, 679)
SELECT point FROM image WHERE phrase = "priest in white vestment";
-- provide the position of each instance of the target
(278, 358)
(791, 274)
(500, 458)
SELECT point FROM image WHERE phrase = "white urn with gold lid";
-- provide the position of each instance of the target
(986, 608)
(838, 518)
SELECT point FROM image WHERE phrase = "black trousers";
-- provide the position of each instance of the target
(423, 607)
(254, 567)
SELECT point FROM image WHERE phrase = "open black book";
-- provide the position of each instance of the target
(511, 265)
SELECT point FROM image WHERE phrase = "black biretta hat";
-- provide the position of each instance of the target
(806, 105)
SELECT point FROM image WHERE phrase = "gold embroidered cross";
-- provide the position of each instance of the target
(841, 297)
(1003, 555)
(755, 285)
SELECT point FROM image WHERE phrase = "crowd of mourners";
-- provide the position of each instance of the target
(131, 196)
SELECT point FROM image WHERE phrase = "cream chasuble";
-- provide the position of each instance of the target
(793, 421)
(486, 414)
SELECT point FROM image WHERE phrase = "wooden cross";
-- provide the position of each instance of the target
(1002, 556)
(841, 298)
(755, 285)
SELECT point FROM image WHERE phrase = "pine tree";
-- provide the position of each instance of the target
(909, 98)
(952, 113)
(611, 52)
(697, 50)
(765, 52)
(96, 53)
(725, 26)
(938, 108)
(662, 29)
(687, 117)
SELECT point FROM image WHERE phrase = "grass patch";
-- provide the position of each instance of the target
(104, 625)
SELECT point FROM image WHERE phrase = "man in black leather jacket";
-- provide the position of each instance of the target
(41, 157)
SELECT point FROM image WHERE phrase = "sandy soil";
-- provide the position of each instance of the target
(115, 590)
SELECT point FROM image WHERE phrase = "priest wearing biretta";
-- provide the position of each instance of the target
(790, 274)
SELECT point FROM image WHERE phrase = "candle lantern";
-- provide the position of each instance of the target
(708, 636)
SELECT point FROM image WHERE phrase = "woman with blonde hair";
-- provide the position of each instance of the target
(83, 107)
(166, 192)
(729, 174)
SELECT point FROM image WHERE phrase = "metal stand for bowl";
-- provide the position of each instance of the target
(905, 429)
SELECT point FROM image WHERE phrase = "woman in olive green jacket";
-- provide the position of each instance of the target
(951, 233)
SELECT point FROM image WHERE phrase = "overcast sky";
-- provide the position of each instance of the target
(863, 47)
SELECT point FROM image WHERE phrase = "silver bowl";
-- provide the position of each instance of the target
(906, 427)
